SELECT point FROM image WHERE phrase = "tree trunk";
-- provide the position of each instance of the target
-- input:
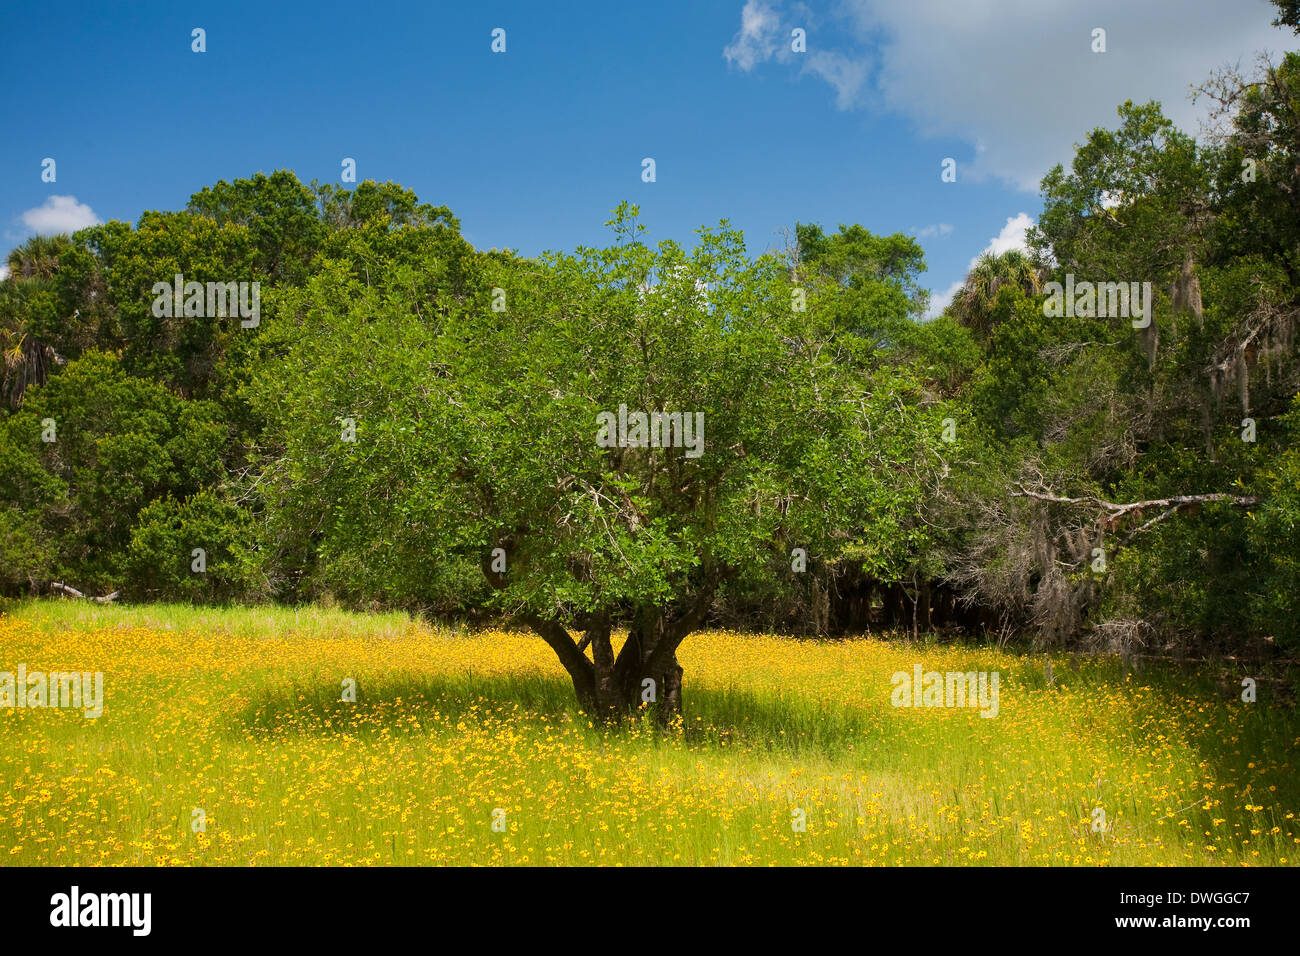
(923, 593)
(645, 676)
(609, 694)
(671, 705)
(580, 669)
(647, 670)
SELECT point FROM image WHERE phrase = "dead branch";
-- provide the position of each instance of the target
(106, 599)
(1118, 509)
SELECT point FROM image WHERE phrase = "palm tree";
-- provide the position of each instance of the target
(972, 305)
(25, 359)
(38, 257)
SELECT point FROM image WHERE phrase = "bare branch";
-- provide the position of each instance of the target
(1118, 509)
(65, 589)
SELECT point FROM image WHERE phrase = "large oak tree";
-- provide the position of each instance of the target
(476, 419)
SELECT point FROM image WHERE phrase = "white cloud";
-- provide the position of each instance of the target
(941, 229)
(1017, 79)
(1011, 236)
(4, 273)
(847, 75)
(59, 214)
(757, 40)
(763, 37)
(941, 300)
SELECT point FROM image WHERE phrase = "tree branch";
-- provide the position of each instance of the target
(106, 599)
(1118, 509)
(675, 631)
(574, 661)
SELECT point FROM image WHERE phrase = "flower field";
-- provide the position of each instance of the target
(224, 740)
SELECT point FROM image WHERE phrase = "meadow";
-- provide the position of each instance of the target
(225, 740)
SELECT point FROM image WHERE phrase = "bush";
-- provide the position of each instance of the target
(162, 563)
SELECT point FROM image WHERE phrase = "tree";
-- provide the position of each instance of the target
(482, 434)
(1288, 14)
(186, 353)
(1276, 534)
(38, 257)
(1128, 480)
(371, 201)
(870, 282)
(279, 212)
(160, 557)
(28, 307)
(972, 305)
(89, 450)
(25, 358)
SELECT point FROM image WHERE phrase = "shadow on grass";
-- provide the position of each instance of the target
(722, 717)
(411, 704)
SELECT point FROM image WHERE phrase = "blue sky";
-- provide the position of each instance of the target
(533, 147)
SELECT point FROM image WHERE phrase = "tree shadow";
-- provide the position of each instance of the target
(714, 716)
(413, 704)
